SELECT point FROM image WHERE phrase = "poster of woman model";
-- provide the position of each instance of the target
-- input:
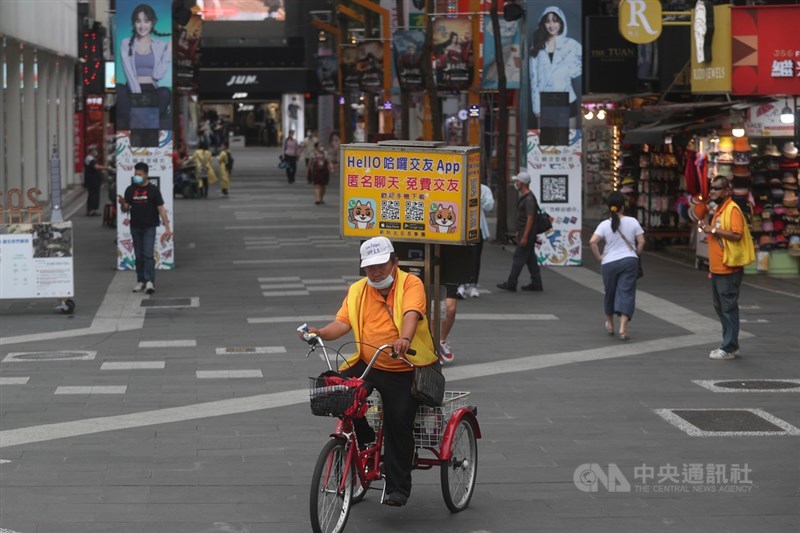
(452, 52)
(144, 68)
(555, 58)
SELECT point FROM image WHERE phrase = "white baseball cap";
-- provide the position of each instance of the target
(522, 177)
(376, 251)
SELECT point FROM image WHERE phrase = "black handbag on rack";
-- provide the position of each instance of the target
(428, 385)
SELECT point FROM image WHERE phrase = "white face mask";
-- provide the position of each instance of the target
(515, 184)
(380, 285)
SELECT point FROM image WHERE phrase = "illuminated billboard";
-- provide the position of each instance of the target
(243, 10)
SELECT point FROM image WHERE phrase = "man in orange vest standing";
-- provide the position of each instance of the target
(725, 280)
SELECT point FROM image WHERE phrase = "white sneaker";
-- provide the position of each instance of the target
(138, 287)
(473, 291)
(461, 292)
(446, 352)
(149, 288)
(721, 355)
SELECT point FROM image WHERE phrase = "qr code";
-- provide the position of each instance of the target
(554, 189)
(390, 209)
(415, 211)
(473, 187)
(473, 218)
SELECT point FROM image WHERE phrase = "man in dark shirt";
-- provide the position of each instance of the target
(144, 202)
(93, 181)
(525, 254)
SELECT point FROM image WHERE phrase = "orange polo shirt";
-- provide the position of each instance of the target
(715, 264)
(379, 328)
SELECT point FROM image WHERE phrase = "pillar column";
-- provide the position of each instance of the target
(61, 121)
(43, 62)
(69, 122)
(28, 120)
(52, 105)
(13, 123)
(3, 83)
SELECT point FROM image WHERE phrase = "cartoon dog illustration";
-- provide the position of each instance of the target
(443, 220)
(361, 216)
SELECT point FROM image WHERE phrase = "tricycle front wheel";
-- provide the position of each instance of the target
(330, 506)
(459, 472)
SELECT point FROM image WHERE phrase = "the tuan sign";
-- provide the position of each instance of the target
(640, 20)
(410, 195)
(766, 50)
(611, 58)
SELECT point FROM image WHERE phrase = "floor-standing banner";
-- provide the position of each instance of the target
(143, 51)
(555, 64)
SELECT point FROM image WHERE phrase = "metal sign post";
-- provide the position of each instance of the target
(55, 185)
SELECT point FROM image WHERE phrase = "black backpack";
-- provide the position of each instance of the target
(229, 164)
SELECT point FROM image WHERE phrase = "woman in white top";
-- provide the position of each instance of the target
(624, 242)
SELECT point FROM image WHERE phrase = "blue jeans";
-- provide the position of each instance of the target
(725, 288)
(144, 242)
(619, 279)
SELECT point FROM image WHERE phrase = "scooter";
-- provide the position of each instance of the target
(185, 182)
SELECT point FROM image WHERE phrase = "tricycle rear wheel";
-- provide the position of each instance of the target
(459, 472)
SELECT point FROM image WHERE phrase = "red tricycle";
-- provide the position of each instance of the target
(446, 435)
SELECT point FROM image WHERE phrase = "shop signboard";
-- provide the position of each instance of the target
(144, 115)
(328, 74)
(766, 50)
(556, 180)
(408, 193)
(711, 49)
(349, 67)
(612, 60)
(640, 20)
(369, 65)
(510, 37)
(764, 120)
(36, 260)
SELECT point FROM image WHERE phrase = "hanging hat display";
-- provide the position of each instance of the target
(771, 151)
(740, 144)
(741, 158)
(741, 171)
(725, 170)
(725, 144)
(725, 158)
(789, 150)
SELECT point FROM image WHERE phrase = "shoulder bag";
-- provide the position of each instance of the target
(640, 274)
(542, 223)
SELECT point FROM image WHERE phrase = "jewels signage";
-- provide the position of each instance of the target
(711, 49)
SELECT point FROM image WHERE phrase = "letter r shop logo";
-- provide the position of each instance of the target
(640, 20)
(589, 476)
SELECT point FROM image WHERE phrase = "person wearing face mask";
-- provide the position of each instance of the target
(525, 253)
(145, 204)
(386, 307)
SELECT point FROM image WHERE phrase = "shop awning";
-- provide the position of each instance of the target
(653, 133)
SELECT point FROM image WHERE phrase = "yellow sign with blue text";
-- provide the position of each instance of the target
(409, 193)
(640, 20)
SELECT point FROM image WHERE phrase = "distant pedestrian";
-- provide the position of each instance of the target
(727, 237)
(290, 152)
(93, 181)
(225, 160)
(620, 262)
(144, 202)
(525, 253)
(487, 204)
(202, 158)
(320, 173)
(307, 150)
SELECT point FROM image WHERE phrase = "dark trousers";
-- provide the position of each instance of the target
(93, 200)
(478, 253)
(725, 288)
(526, 255)
(291, 167)
(399, 412)
(619, 279)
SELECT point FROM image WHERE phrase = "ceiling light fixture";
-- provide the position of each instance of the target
(787, 117)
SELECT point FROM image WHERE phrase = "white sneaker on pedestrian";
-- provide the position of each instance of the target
(721, 355)
(461, 292)
(138, 287)
(473, 291)
(149, 288)
(446, 352)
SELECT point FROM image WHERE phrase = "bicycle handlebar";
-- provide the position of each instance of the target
(314, 340)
